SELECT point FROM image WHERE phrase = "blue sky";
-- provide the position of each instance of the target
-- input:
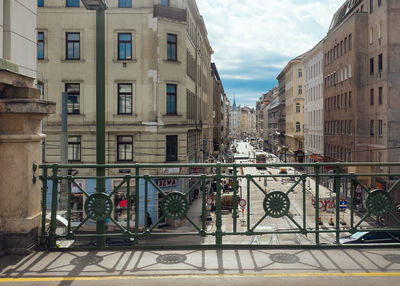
(254, 39)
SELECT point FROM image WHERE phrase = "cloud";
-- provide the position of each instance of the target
(254, 39)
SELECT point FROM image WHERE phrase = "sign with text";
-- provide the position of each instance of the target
(165, 183)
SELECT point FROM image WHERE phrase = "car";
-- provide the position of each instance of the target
(362, 237)
(116, 241)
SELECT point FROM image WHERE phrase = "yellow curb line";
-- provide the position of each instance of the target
(186, 276)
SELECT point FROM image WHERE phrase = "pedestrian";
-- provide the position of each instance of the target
(149, 221)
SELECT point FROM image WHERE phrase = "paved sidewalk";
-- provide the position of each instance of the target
(204, 267)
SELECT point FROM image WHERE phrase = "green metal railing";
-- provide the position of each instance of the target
(276, 203)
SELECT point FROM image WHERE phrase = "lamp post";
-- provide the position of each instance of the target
(100, 6)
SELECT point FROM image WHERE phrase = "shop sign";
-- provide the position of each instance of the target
(167, 183)
(124, 171)
(196, 171)
(171, 170)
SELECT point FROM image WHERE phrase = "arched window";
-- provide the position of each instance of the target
(297, 126)
(297, 107)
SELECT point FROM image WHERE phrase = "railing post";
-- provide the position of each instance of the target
(52, 234)
(235, 200)
(317, 180)
(337, 180)
(218, 232)
(44, 201)
(137, 172)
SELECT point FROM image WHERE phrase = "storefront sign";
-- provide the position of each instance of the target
(171, 170)
(124, 171)
(196, 170)
(167, 183)
(123, 203)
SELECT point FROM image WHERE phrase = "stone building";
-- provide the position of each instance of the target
(294, 105)
(362, 84)
(314, 104)
(234, 120)
(158, 83)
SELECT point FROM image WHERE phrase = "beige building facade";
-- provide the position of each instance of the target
(294, 105)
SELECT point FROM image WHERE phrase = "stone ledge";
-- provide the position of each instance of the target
(28, 138)
(15, 79)
(24, 105)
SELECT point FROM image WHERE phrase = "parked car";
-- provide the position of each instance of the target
(116, 241)
(362, 237)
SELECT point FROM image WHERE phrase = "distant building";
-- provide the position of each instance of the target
(234, 120)
(314, 104)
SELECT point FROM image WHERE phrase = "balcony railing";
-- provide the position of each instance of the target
(269, 200)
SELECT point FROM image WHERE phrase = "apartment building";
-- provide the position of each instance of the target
(219, 136)
(294, 105)
(234, 120)
(362, 83)
(158, 84)
(314, 104)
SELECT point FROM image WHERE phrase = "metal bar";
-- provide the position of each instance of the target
(203, 203)
(79, 187)
(137, 172)
(80, 225)
(218, 232)
(352, 201)
(235, 200)
(394, 186)
(260, 221)
(148, 179)
(294, 186)
(54, 194)
(193, 187)
(248, 178)
(337, 209)
(119, 225)
(100, 117)
(362, 219)
(128, 210)
(146, 218)
(118, 187)
(304, 204)
(155, 225)
(69, 205)
(395, 218)
(44, 201)
(295, 222)
(195, 226)
(258, 186)
(317, 179)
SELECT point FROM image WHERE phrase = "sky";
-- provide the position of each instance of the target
(253, 40)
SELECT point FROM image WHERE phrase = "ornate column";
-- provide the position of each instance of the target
(21, 112)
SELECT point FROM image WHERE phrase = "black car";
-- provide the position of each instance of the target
(362, 237)
(116, 241)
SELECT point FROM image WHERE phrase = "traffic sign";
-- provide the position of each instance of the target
(321, 204)
(343, 204)
(209, 201)
(242, 203)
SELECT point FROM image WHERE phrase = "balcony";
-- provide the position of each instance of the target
(170, 13)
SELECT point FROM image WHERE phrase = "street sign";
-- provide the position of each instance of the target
(209, 201)
(242, 203)
(343, 204)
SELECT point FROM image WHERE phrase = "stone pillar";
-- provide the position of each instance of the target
(21, 112)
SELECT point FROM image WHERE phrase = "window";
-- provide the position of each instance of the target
(371, 66)
(171, 47)
(380, 97)
(380, 62)
(350, 99)
(300, 89)
(380, 30)
(165, 2)
(72, 3)
(40, 3)
(379, 3)
(171, 98)
(40, 45)
(124, 148)
(371, 127)
(172, 148)
(371, 96)
(74, 148)
(350, 42)
(124, 98)
(124, 3)
(300, 72)
(345, 44)
(380, 127)
(341, 48)
(371, 6)
(297, 107)
(350, 72)
(124, 46)
(297, 126)
(73, 46)
(371, 35)
(73, 90)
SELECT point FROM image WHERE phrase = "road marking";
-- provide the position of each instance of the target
(186, 276)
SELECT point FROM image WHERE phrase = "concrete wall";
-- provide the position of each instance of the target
(19, 35)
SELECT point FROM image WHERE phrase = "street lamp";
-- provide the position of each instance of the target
(100, 6)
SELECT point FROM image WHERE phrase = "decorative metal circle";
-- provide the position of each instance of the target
(171, 258)
(276, 204)
(379, 202)
(175, 205)
(98, 206)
